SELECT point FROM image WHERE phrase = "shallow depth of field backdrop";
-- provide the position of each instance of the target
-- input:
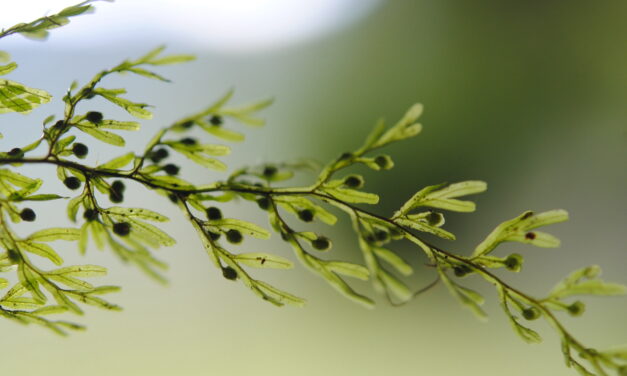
(530, 96)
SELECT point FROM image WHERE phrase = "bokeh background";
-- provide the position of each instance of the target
(529, 96)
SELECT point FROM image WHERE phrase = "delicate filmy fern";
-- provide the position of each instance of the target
(36, 292)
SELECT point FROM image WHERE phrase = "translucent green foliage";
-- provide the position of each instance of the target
(15, 97)
(201, 153)
(527, 334)
(295, 204)
(263, 260)
(469, 298)
(38, 29)
(118, 162)
(403, 129)
(245, 227)
(585, 282)
(136, 109)
(443, 196)
(35, 293)
(519, 230)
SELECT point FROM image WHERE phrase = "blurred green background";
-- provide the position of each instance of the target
(529, 96)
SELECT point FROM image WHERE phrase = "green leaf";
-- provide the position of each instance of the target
(3, 283)
(528, 335)
(394, 260)
(137, 213)
(149, 74)
(21, 303)
(221, 132)
(341, 286)
(172, 59)
(168, 181)
(81, 271)
(242, 226)
(150, 233)
(71, 282)
(28, 280)
(405, 128)
(469, 298)
(42, 250)
(443, 197)
(63, 143)
(294, 204)
(75, 10)
(6, 69)
(374, 135)
(592, 287)
(16, 179)
(114, 124)
(278, 295)
(585, 282)
(352, 195)
(263, 260)
(96, 302)
(104, 136)
(15, 97)
(101, 290)
(72, 207)
(219, 103)
(118, 162)
(424, 227)
(52, 234)
(135, 109)
(348, 269)
(517, 230)
(49, 310)
(211, 163)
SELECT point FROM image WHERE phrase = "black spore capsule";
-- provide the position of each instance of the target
(461, 270)
(264, 203)
(216, 120)
(321, 243)
(306, 215)
(531, 313)
(353, 181)
(229, 273)
(122, 228)
(269, 171)
(116, 196)
(14, 255)
(28, 215)
(80, 150)
(345, 156)
(384, 162)
(90, 215)
(188, 124)
(576, 309)
(234, 236)
(158, 155)
(94, 116)
(513, 262)
(72, 182)
(381, 235)
(214, 235)
(213, 213)
(171, 169)
(15, 152)
(118, 186)
(188, 141)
